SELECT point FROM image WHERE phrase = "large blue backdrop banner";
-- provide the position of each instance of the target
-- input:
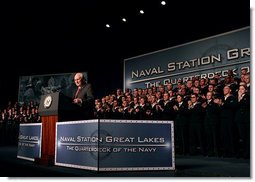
(202, 58)
(29, 145)
(115, 145)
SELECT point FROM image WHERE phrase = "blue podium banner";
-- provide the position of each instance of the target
(116, 145)
(29, 145)
(203, 58)
(77, 144)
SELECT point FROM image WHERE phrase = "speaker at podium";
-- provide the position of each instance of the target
(58, 104)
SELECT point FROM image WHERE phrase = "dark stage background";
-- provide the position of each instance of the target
(50, 37)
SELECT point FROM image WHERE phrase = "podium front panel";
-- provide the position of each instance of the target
(115, 145)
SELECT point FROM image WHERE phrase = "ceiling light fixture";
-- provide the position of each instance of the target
(163, 3)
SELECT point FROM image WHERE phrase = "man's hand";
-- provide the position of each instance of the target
(77, 101)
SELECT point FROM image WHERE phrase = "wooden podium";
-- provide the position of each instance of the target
(48, 140)
(53, 107)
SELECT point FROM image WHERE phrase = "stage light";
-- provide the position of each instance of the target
(141, 11)
(124, 19)
(163, 3)
(107, 26)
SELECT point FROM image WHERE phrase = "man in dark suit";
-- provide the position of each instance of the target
(242, 120)
(228, 134)
(196, 118)
(211, 124)
(181, 125)
(83, 97)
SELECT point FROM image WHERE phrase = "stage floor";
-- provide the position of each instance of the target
(186, 166)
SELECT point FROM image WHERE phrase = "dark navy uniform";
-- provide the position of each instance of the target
(242, 119)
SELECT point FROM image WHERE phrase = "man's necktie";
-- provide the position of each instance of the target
(76, 94)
